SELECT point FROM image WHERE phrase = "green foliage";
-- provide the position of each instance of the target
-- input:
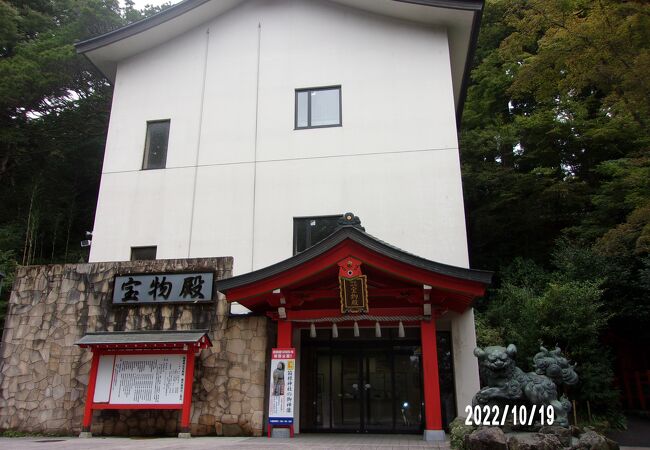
(54, 111)
(554, 105)
(554, 148)
(21, 434)
(603, 424)
(486, 334)
(457, 433)
(533, 307)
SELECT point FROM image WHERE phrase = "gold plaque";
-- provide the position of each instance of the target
(354, 294)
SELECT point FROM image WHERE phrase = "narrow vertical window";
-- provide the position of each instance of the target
(318, 107)
(155, 147)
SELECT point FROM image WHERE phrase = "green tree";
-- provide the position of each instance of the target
(54, 110)
(558, 92)
(554, 144)
(534, 307)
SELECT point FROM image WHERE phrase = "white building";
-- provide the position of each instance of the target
(239, 128)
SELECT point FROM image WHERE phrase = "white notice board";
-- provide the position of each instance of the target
(140, 379)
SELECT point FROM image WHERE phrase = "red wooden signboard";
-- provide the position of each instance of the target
(142, 374)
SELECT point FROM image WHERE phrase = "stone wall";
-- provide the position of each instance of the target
(43, 375)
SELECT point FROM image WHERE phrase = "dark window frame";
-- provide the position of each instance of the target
(308, 229)
(144, 247)
(145, 155)
(309, 91)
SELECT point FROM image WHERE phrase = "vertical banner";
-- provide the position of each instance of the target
(281, 392)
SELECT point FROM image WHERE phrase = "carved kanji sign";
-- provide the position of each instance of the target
(354, 294)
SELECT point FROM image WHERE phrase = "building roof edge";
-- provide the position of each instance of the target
(368, 241)
(138, 27)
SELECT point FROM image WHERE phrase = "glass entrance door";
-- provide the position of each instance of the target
(378, 391)
(367, 384)
(362, 387)
(347, 391)
(358, 391)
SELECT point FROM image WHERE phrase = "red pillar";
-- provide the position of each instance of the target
(187, 393)
(432, 410)
(285, 334)
(90, 395)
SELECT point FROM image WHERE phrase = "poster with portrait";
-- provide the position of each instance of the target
(282, 386)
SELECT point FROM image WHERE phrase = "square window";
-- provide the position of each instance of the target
(318, 107)
(308, 231)
(155, 146)
(143, 253)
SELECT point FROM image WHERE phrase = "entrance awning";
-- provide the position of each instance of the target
(310, 280)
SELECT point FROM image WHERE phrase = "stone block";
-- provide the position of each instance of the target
(257, 404)
(219, 380)
(30, 406)
(236, 396)
(229, 419)
(533, 441)
(259, 356)
(491, 438)
(237, 371)
(257, 420)
(223, 401)
(234, 384)
(255, 391)
(593, 441)
(75, 394)
(562, 433)
(207, 419)
(233, 332)
(258, 343)
(257, 376)
(58, 392)
(235, 408)
(231, 429)
(236, 346)
(207, 384)
(246, 335)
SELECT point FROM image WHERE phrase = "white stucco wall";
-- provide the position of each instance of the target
(237, 171)
(394, 162)
(463, 335)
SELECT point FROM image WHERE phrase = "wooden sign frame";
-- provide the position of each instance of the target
(354, 294)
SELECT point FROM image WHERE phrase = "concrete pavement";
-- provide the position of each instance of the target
(303, 441)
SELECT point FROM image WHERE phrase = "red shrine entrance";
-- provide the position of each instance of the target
(363, 316)
(364, 384)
